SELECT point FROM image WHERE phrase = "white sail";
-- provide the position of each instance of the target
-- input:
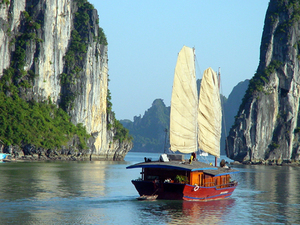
(209, 114)
(183, 117)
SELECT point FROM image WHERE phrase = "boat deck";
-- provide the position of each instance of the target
(186, 166)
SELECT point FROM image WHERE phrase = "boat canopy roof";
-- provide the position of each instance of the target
(186, 166)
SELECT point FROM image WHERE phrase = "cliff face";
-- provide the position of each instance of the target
(267, 125)
(66, 58)
(230, 109)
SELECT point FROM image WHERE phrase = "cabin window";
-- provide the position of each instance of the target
(208, 181)
(217, 181)
(222, 181)
(200, 178)
(163, 175)
(196, 178)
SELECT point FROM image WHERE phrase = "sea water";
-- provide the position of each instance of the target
(102, 193)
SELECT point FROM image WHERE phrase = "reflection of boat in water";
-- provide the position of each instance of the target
(210, 212)
(192, 120)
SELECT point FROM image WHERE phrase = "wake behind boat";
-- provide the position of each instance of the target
(195, 122)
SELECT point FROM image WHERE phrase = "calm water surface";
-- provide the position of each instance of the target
(101, 193)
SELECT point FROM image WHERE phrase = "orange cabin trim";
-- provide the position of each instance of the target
(207, 180)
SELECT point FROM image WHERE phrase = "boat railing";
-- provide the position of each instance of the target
(209, 184)
(212, 184)
(231, 184)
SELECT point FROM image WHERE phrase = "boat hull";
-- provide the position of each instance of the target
(176, 191)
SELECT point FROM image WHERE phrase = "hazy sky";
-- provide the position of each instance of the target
(144, 38)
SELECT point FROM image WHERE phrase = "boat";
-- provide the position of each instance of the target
(4, 157)
(195, 123)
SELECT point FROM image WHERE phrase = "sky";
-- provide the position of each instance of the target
(145, 37)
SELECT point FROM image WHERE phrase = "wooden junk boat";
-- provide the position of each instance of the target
(181, 180)
(195, 124)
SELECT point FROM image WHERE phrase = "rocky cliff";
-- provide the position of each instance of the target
(267, 126)
(230, 108)
(57, 52)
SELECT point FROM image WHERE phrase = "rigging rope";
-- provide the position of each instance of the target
(223, 117)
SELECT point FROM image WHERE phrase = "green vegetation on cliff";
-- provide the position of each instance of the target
(77, 51)
(7, 2)
(258, 82)
(122, 134)
(22, 123)
(15, 77)
(40, 124)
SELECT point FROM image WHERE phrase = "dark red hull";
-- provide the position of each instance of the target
(176, 191)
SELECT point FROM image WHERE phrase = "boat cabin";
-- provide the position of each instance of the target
(184, 172)
(200, 178)
(183, 179)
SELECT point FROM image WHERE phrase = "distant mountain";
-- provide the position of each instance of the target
(149, 131)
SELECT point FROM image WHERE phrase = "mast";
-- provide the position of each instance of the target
(219, 82)
(165, 147)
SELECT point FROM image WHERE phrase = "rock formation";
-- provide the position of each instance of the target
(230, 107)
(66, 54)
(267, 127)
